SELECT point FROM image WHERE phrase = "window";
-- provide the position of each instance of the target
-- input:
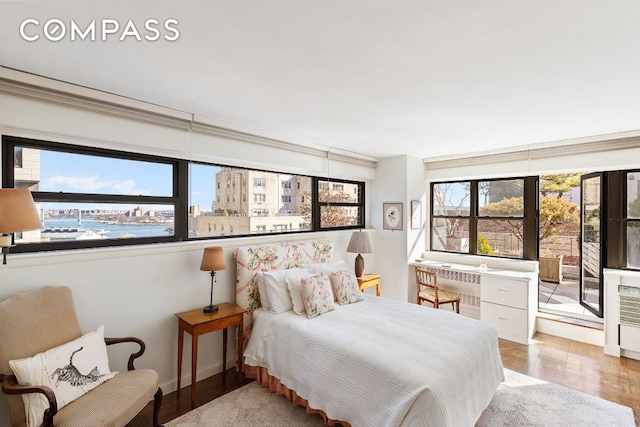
(633, 219)
(245, 211)
(484, 217)
(500, 229)
(18, 157)
(451, 207)
(92, 197)
(338, 205)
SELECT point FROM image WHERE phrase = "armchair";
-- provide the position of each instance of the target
(36, 321)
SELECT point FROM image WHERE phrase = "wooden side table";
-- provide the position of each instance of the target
(368, 280)
(196, 322)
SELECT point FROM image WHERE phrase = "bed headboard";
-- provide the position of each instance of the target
(275, 256)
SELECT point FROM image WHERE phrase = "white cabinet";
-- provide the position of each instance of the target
(509, 304)
(505, 295)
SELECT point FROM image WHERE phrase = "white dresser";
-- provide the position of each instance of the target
(504, 298)
(508, 301)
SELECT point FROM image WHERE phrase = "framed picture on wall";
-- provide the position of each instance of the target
(392, 216)
(416, 214)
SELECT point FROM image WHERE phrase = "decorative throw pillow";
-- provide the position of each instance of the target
(276, 285)
(345, 287)
(262, 290)
(70, 370)
(317, 295)
(294, 278)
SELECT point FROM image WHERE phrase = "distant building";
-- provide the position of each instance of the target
(249, 201)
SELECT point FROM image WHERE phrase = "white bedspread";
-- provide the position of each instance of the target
(381, 362)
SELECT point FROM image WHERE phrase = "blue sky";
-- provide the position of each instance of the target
(92, 174)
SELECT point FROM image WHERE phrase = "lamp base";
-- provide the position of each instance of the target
(359, 267)
(210, 309)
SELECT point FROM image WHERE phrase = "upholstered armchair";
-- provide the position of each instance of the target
(37, 321)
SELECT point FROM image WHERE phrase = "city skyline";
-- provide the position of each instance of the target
(103, 175)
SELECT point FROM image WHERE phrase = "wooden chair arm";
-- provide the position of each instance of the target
(130, 367)
(10, 386)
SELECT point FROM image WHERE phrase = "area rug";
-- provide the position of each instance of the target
(519, 401)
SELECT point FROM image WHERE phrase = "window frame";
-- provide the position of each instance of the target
(176, 200)
(317, 205)
(529, 218)
(622, 259)
(433, 216)
(179, 198)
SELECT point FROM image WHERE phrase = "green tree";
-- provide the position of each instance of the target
(484, 247)
(555, 213)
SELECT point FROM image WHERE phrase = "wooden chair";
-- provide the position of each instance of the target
(36, 321)
(427, 283)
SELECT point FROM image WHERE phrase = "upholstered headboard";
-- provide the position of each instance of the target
(275, 256)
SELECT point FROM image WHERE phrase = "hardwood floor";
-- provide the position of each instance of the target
(578, 366)
(575, 365)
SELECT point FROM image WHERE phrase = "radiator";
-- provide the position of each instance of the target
(629, 303)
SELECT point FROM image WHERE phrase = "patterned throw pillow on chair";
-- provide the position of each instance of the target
(70, 370)
(345, 287)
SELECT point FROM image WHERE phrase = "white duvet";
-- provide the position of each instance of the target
(381, 362)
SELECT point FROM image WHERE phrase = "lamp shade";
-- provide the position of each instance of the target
(359, 243)
(213, 259)
(18, 211)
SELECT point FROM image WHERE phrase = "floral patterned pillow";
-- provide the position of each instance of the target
(317, 295)
(345, 287)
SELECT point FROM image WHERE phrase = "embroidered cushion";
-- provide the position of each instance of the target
(70, 370)
(317, 295)
(345, 287)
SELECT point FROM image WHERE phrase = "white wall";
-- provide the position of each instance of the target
(398, 179)
(135, 291)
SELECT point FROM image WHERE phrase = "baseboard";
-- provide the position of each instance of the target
(581, 333)
(206, 372)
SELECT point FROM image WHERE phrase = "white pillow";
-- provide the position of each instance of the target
(70, 370)
(277, 291)
(328, 267)
(294, 278)
(262, 290)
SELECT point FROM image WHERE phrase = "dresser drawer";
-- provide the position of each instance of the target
(510, 292)
(510, 322)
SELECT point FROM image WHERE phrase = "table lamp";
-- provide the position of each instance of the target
(212, 260)
(18, 212)
(359, 244)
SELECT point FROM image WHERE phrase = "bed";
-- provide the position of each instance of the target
(377, 362)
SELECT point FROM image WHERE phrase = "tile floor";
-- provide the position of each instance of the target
(562, 298)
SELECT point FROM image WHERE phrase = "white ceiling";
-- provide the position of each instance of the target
(383, 78)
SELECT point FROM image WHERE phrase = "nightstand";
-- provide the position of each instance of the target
(196, 322)
(368, 280)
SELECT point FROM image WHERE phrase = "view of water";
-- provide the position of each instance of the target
(112, 230)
